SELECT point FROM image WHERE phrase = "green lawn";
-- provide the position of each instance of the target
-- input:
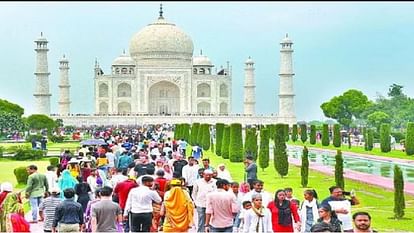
(357, 149)
(377, 201)
(52, 147)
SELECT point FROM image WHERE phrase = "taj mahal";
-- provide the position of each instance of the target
(161, 80)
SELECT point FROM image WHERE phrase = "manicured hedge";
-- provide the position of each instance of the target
(304, 169)
(337, 136)
(236, 143)
(294, 133)
(280, 157)
(219, 137)
(339, 170)
(21, 175)
(250, 144)
(399, 199)
(312, 137)
(225, 145)
(205, 141)
(385, 138)
(303, 133)
(325, 135)
(264, 149)
(409, 139)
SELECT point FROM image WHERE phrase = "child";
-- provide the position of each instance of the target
(246, 206)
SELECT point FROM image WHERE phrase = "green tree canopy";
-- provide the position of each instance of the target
(6, 106)
(39, 121)
(377, 118)
(346, 107)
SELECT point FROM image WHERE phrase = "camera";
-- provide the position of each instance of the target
(346, 193)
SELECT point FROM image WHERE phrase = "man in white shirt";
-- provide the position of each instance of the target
(118, 177)
(190, 173)
(201, 188)
(51, 177)
(111, 158)
(258, 189)
(139, 205)
(223, 173)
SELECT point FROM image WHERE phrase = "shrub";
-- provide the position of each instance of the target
(250, 144)
(226, 142)
(370, 139)
(54, 161)
(264, 149)
(385, 137)
(219, 137)
(336, 136)
(325, 135)
(399, 199)
(194, 133)
(409, 141)
(279, 153)
(236, 143)
(38, 137)
(21, 175)
(294, 133)
(303, 133)
(312, 137)
(28, 154)
(205, 138)
(339, 170)
(185, 132)
(1, 151)
(304, 169)
(56, 138)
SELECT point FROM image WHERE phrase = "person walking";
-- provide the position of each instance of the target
(139, 205)
(326, 215)
(37, 187)
(221, 207)
(69, 214)
(258, 218)
(283, 211)
(48, 209)
(309, 210)
(201, 188)
(251, 170)
(106, 214)
(190, 173)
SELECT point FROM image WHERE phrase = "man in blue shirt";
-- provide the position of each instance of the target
(69, 214)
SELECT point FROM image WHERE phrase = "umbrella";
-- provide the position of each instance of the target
(93, 142)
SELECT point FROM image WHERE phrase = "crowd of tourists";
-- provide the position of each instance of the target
(144, 181)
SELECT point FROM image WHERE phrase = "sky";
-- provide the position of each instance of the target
(338, 46)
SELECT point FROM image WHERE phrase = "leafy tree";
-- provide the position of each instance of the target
(40, 121)
(312, 138)
(264, 149)
(236, 143)
(8, 107)
(337, 136)
(219, 137)
(395, 90)
(226, 142)
(250, 144)
(205, 140)
(339, 170)
(304, 169)
(10, 122)
(279, 153)
(325, 135)
(303, 133)
(194, 132)
(346, 107)
(409, 139)
(377, 118)
(385, 137)
(294, 132)
(399, 199)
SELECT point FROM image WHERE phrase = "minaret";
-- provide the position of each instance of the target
(42, 95)
(64, 97)
(286, 95)
(249, 87)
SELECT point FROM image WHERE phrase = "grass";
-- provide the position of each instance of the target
(375, 200)
(357, 149)
(52, 147)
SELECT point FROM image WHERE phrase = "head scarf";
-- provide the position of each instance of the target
(179, 211)
(66, 181)
(285, 214)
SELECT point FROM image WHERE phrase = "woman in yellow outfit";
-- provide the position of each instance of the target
(178, 209)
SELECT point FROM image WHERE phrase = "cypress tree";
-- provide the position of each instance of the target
(336, 136)
(294, 133)
(409, 139)
(339, 170)
(370, 140)
(236, 143)
(349, 140)
(205, 138)
(200, 135)
(312, 138)
(365, 134)
(399, 199)
(385, 137)
(212, 144)
(250, 144)
(177, 131)
(325, 135)
(264, 149)
(219, 137)
(280, 157)
(303, 133)
(225, 143)
(286, 132)
(194, 133)
(304, 169)
(186, 131)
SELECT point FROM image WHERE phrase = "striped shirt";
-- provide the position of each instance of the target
(48, 207)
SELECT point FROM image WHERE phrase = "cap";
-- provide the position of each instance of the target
(208, 172)
(175, 182)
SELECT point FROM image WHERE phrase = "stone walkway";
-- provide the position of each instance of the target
(387, 183)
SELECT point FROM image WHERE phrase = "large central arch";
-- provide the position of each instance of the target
(164, 98)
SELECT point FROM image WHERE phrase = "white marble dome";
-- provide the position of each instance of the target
(201, 60)
(123, 59)
(161, 40)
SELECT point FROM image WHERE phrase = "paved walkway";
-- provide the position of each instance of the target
(387, 183)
